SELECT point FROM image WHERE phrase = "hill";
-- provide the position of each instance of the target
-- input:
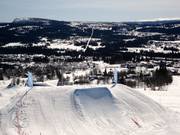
(60, 38)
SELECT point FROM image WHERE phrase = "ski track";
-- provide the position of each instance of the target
(86, 110)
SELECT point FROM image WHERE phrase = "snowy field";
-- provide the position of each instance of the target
(83, 110)
(169, 98)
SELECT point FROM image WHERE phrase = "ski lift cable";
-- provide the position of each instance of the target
(92, 33)
(89, 39)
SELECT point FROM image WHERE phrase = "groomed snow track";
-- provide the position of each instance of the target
(86, 110)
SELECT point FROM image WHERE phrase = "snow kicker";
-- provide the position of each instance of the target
(86, 110)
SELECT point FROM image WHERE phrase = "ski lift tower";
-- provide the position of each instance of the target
(115, 72)
(30, 80)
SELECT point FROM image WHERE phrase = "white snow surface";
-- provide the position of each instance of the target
(169, 98)
(14, 44)
(83, 110)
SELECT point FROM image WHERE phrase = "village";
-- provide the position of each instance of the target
(133, 74)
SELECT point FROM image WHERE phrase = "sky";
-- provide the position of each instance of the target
(90, 10)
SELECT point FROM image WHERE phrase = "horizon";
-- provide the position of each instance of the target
(95, 10)
(89, 21)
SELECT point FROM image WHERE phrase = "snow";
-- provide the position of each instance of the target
(18, 44)
(4, 26)
(148, 49)
(94, 93)
(169, 98)
(21, 19)
(81, 72)
(159, 19)
(176, 41)
(69, 45)
(96, 47)
(83, 110)
(31, 20)
(65, 46)
(52, 82)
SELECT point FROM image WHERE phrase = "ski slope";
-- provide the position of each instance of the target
(83, 110)
(169, 98)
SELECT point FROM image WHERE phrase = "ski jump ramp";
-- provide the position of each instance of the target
(85, 110)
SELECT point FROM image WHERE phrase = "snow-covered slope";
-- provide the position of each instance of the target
(30, 20)
(84, 110)
(169, 98)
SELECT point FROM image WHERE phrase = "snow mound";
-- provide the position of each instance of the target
(84, 110)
